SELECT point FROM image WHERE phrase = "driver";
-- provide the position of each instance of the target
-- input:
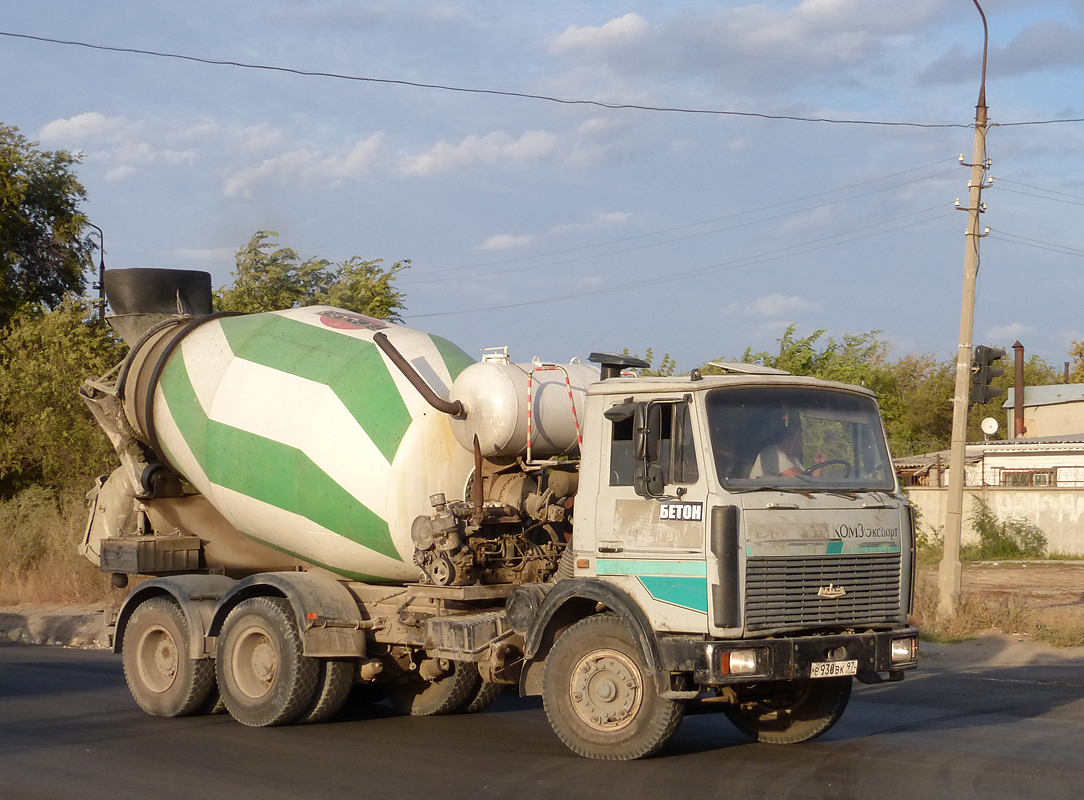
(782, 455)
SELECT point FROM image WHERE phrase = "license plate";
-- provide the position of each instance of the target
(833, 669)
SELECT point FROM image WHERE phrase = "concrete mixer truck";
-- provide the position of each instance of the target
(319, 503)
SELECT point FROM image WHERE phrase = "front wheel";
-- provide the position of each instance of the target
(792, 712)
(600, 699)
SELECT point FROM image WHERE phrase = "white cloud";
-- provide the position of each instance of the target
(507, 241)
(305, 165)
(620, 31)
(1013, 330)
(82, 127)
(120, 172)
(496, 148)
(775, 306)
(753, 46)
(124, 146)
(602, 221)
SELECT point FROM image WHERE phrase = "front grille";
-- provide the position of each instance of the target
(781, 592)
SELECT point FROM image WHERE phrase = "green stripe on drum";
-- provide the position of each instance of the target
(454, 359)
(352, 368)
(268, 471)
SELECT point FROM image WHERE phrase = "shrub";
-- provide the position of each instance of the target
(40, 531)
(1011, 538)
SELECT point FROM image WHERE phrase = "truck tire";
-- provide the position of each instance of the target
(262, 674)
(484, 696)
(337, 677)
(599, 698)
(164, 680)
(447, 695)
(797, 712)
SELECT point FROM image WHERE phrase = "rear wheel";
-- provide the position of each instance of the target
(484, 696)
(599, 697)
(793, 712)
(337, 677)
(163, 678)
(446, 695)
(263, 675)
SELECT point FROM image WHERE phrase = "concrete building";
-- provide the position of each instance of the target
(1048, 410)
(1038, 479)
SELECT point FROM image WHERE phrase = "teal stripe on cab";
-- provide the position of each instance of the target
(629, 566)
(691, 593)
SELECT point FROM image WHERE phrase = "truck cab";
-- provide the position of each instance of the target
(679, 507)
(749, 530)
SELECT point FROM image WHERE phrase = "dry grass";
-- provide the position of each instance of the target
(978, 613)
(40, 562)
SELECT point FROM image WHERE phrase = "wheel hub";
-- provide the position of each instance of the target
(255, 662)
(158, 659)
(606, 690)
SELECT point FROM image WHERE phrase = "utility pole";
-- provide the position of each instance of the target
(950, 572)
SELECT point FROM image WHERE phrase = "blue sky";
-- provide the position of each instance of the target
(562, 229)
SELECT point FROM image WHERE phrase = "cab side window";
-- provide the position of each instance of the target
(677, 454)
(622, 458)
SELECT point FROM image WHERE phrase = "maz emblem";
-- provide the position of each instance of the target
(831, 591)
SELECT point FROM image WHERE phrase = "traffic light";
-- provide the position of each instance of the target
(982, 373)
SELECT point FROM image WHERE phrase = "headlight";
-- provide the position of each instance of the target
(904, 650)
(738, 662)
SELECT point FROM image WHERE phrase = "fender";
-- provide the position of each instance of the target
(327, 615)
(566, 595)
(195, 594)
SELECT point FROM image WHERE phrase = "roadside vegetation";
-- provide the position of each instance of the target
(996, 540)
(51, 340)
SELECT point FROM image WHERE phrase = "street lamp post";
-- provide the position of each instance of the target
(100, 285)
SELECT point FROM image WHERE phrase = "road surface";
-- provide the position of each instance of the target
(971, 724)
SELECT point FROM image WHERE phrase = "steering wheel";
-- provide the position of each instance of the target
(828, 463)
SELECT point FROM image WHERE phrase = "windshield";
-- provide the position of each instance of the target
(786, 437)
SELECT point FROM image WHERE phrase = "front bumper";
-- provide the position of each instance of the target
(787, 659)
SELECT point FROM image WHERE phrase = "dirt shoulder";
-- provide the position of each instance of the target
(68, 626)
(1055, 587)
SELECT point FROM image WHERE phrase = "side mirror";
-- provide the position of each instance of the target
(646, 429)
(648, 481)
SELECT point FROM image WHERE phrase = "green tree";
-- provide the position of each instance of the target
(271, 278)
(1076, 368)
(42, 249)
(922, 402)
(47, 436)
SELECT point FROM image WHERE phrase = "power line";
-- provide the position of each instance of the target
(496, 92)
(1038, 244)
(999, 181)
(773, 255)
(676, 239)
(770, 206)
(1038, 188)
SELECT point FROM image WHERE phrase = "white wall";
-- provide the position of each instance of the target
(1059, 513)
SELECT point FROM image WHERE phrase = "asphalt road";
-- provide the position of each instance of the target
(69, 730)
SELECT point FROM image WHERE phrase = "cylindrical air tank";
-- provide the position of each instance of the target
(494, 398)
(300, 432)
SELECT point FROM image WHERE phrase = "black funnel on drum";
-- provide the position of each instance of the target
(144, 290)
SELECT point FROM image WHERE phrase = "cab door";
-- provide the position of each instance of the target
(651, 515)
